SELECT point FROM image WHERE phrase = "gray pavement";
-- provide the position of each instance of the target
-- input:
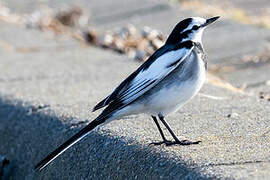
(49, 84)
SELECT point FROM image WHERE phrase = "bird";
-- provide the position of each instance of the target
(170, 77)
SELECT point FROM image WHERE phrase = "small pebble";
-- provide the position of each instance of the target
(153, 34)
(232, 115)
(123, 33)
(105, 40)
(91, 36)
(145, 31)
(157, 43)
(69, 17)
(131, 30)
(118, 44)
(142, 44)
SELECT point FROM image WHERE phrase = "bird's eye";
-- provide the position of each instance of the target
(195, 27)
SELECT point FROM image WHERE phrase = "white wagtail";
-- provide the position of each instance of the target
(163, 84)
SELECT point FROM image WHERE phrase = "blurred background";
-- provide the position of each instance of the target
(59, 58)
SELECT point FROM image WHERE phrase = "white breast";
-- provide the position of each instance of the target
(172, 93)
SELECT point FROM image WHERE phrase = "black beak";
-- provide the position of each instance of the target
(210, 21)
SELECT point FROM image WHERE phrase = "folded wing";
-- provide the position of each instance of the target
(157, 67)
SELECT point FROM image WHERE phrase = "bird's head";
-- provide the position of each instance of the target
(189, 29)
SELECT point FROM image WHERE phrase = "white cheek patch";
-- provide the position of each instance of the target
(197, 37)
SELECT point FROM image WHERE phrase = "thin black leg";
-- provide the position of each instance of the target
(162, 119)
(159, 129)
(177, 141)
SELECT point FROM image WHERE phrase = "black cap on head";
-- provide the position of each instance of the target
(175, 34)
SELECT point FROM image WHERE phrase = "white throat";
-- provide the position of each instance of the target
(197, 37)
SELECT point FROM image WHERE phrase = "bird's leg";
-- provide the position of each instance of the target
(176, 140)
(160, 131)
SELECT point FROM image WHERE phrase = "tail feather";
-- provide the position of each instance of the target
(101, 104)
(74, 139)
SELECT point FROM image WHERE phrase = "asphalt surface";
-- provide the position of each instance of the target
(49, 84)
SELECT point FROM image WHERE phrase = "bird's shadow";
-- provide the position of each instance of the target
(26, 137)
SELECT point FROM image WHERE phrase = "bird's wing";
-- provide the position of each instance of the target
(158, 66)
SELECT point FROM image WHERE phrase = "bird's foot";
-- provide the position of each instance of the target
(170, 143)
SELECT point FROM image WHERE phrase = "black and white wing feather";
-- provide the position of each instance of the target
(158, 66)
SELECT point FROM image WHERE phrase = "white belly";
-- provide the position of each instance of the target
(172, 97)
(170, 100)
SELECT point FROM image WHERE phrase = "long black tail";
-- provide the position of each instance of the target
(77, 137)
